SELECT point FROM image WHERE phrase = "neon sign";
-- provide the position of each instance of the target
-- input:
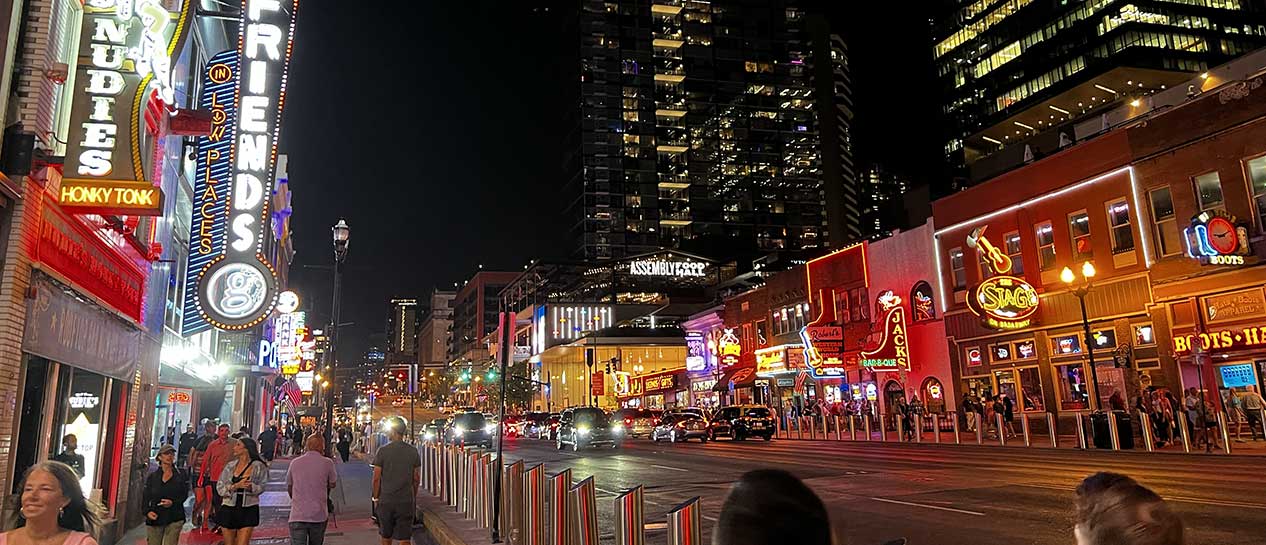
(238, 289)
(287, 301)
(893, 353)
(179, 397)
(696, 350)
(1214, 238)
(1003, 302)
(779, 359)
(662, 267)
(729, 348)
(1234, 339)
(125, 53)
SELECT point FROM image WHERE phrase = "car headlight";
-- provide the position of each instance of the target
(458, 431)
(490, 428)
(617, 429)
(430, 435)
(583, 430)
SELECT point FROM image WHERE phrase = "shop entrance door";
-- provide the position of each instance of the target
(31, 418)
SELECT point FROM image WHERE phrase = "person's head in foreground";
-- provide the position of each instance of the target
(395, 428)
(770, 506)
(52, 498)
(1113, 509)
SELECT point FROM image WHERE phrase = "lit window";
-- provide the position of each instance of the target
(1143, 335)
(1257, 178)
(1066, 344)
(986, 267)
(1209, 192)
(1119, 226)
(958, 268)
(1012, 241)
(1046, 246)
(1079, 229)
(1104, 340)
(1163, 220)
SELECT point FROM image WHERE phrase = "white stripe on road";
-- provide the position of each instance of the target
(926, 506)
(1183, 499)
(706, 517)
(672, 468)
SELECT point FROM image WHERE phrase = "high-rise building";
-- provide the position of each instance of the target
(436, 332)
(402, 329)
(1015, 69)
(833, 103)
(691, 127)
(881, 201)
(475, 308)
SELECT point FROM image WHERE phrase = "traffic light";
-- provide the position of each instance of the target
(491, 374)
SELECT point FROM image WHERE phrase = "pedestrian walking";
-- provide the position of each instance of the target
(344, 444)
(1234, 413)
(397, 475)
(308, 483)
(187, 442)
(771, 507)
(268, 443)
(68, 456)
(970, 406)
(1192, 404)
(240, 484)
(1252, 403)
(1008, 414)
(1113, 509)
(212, 458)
(165, 492)
(296, 440)
(51, 509)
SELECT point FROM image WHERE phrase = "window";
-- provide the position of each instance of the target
(1001, 352)
(1119, 227)
(1105, 340)
(986, 266)
(1257, 179)
(1030, 393)
(1143, 335)
(1209, 192)
(1012, 242)
(1046, 246)
(958, 269)
(1164, 221)
(1073, 387)
(1025, 349)
(1079, 229)
(1066, 344)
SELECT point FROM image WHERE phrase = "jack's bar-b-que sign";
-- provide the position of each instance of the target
(238, 289)
(125, 61)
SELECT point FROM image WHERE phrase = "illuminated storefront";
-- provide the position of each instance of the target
(624, 364)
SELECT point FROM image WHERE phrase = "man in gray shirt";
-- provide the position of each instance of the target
(397, 475)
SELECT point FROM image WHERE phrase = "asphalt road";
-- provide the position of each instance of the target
(932, 495)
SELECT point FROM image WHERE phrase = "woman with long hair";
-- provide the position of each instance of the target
(165, 492)
(240, 484)
(51, 510)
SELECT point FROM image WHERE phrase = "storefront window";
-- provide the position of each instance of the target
(1066, 344)
(1073, 387)
(653, 402)
(933, 395)
(1105, 340)
(1007, 385)
(1001, 352)
(1031, 389)
(81, 416)
(981, 387)
(1143, 335)
(1025, 349)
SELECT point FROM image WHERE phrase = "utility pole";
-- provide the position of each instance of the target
(505, 351)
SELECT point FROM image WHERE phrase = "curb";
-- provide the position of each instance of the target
(435, 525)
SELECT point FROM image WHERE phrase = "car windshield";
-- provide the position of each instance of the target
(590, 417)
(756, 412)
(469, 421)
(625, 413)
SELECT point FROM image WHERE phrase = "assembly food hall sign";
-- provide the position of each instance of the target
(124, 68)
(1003, 301)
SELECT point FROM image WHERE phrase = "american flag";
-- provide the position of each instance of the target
(801, 377)
(290, 390)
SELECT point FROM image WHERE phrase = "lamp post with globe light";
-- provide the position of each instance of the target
(342, 234)
(1080, 289)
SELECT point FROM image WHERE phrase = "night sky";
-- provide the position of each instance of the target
(435, 134)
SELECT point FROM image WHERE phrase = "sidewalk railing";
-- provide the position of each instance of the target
(1081, 430)
(540, 509)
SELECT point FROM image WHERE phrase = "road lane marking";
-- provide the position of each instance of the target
(926, 506)
(711, 518)
(1182, 499)
(671, 468)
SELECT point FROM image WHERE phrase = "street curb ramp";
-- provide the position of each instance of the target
(448, 528)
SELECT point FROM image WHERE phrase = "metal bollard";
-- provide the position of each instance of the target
(683, 523)
(883, 427)
(852, 427)
(936, 427)
(582, 500)
(900, 424)
(1051, 430)
(836, 420)
(1002, 435)
(453, 494)
(813, 427)
(1081, 431)
(799, 427)
(1226, 434)
(1024, 427)
(866, 424)
(560, 515)
(1145, 425)
(1183, 431)
(630, 518)
(510, 517)
(825, 427)
(534, 491)
(958, 438)
(1114, 434)
(980, 432)
(479, 488)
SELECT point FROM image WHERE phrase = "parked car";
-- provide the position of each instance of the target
(434, 430)
(739, 422)
(637, 422)
(530, 424)
(471, 429)
(588, 427)
(550, 429)
(680, 427)
(689, 410)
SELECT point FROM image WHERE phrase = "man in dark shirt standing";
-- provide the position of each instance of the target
(68, 455)
(397, 475)
(187, 441)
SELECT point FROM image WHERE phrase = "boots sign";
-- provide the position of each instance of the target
(238, 288)
(123, 70)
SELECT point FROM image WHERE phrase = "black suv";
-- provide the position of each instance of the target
(739, 422)
(470, 429)
(588, 427)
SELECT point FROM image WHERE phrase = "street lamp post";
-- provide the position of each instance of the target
(341, 234)
(1080, 290)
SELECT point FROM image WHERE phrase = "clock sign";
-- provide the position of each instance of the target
(1214, 238)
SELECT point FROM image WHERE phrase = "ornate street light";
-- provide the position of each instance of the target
(342, 235)
(1080, 289)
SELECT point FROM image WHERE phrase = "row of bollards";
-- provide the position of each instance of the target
(540, 509)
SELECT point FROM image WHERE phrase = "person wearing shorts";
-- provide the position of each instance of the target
(397, 475)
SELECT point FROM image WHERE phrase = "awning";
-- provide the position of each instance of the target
(741, 378)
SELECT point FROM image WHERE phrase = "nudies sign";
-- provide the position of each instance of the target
(239, 287)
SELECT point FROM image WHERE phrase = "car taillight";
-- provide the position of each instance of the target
(628, 422)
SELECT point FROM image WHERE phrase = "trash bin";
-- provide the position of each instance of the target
(1099, 427)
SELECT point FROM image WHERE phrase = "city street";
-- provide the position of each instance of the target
(932, 495)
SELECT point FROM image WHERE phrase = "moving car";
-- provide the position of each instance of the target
(680, 427)
(738, 422)
(637, 422)
(471, 429)
(550, 428)
(689, 410)
(530, 424)
(588, 427)
(434, 430)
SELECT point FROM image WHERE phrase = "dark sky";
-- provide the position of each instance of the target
(434, 134)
